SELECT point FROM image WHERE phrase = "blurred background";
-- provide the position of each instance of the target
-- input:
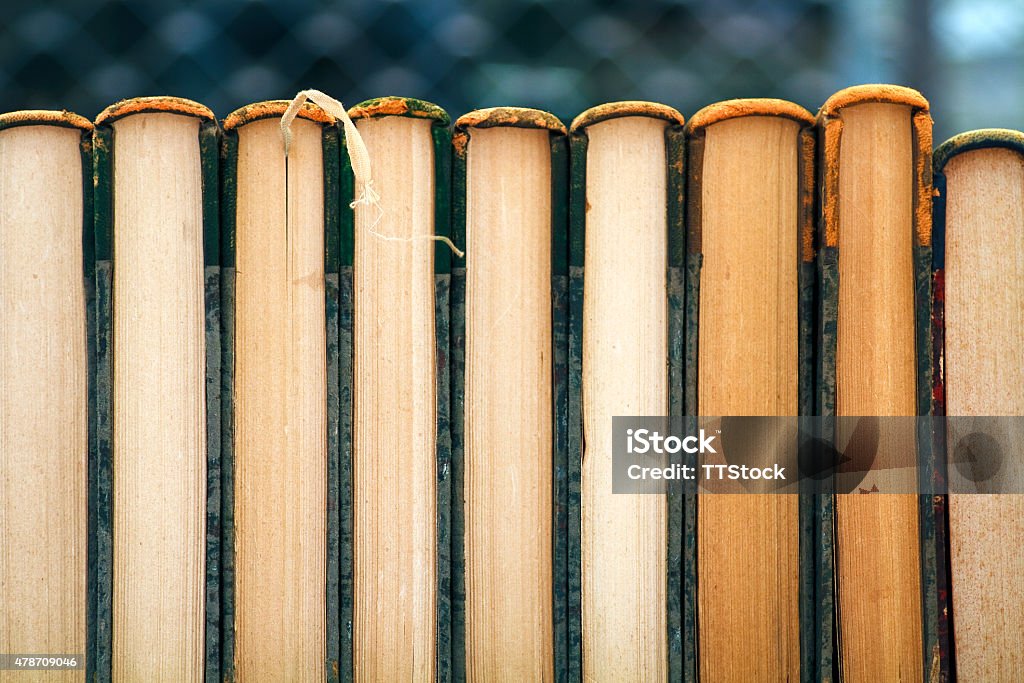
(966, 56)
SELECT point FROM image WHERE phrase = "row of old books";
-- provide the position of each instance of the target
(252, 431)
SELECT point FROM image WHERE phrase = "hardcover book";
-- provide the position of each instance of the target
(158, 346)
(509, 396)
(875, 360)
(47, 374)
(626, 247)
(280, 252)
(750, 198)
(401, 448)
(979, 243)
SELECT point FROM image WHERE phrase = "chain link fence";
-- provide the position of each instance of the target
(559, 55)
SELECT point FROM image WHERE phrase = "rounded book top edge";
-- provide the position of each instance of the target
(270, 109)
(734, 109)
(513, 117)
(876, 93)
(44, 117)
(984, 138)
(399, 106)
(614, 110)
(153, 105)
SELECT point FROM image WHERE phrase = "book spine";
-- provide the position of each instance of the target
(676, 613)
(209, 159)
(442, 136)
(694, 263)
(939, 499)
(89, 272)
(331, 146)
(560, 399)
(100, 479)
(931, 524)
(346, 298)
(824, 513)
(806, 284)
(827, 270)
(228, 205)
(577, 240)
(458, 412)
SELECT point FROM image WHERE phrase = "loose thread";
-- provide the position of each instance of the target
(359, 158)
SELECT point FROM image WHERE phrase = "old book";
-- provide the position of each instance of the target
(46, 297)
(281, 246)
(750, 172)
(979, 211)
(626, 239)
(509, 393)
(156, 224)
(400, 440)
(875, 268)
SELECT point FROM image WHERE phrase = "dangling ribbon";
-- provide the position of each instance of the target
(358, 156)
